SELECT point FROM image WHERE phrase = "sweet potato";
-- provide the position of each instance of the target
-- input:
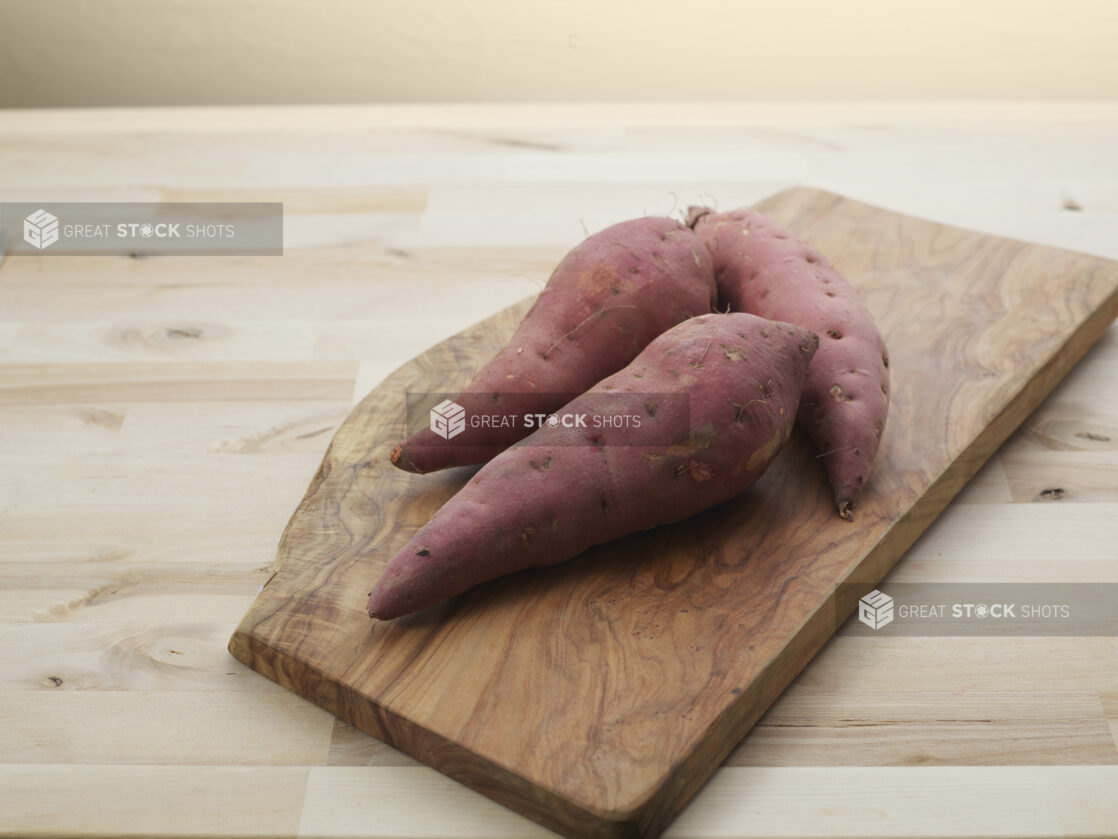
(762, 269)
(732, 383)
(604, 302)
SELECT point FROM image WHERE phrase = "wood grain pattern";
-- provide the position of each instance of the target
(597, 697)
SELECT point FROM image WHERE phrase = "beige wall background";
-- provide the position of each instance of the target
(154, 52)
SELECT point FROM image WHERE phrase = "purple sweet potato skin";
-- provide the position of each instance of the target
(604, 302)
(761, 268)
(559, 491)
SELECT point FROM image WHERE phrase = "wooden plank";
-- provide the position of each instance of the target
(748, 802)
(1085, 799)
(351, 746)
(120, 655)
(378, 802)
(1050, 476)
(61, 429)
(988, 486)
(961, 664)
(135, 538)
(185, 727)
(176, 340)
(1056, 535)
(100, 481)
(632, 671)
(327, 283)
(139, 801)
(129, 592)
(901, 727)
(92, 384)
(759, 802)
(373, 802)
(894, 802)
(259, 427)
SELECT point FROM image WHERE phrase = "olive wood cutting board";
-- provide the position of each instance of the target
(597, 696)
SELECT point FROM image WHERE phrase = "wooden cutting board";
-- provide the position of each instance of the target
(598, 696)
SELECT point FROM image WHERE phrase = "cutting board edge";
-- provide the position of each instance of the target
(801, 191)
(473, 770)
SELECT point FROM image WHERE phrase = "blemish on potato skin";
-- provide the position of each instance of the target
(701, 471)
(765, 452)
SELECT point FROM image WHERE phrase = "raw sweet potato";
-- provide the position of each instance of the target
(762, 269)
(728, 387)
(604, 302)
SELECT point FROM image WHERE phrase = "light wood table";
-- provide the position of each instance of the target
(161, 417)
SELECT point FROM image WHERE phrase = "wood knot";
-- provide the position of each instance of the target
(1050, 494)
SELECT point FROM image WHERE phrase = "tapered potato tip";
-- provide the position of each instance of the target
(376, 609)
(387, 601)
(377, 614)
(401, 460)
